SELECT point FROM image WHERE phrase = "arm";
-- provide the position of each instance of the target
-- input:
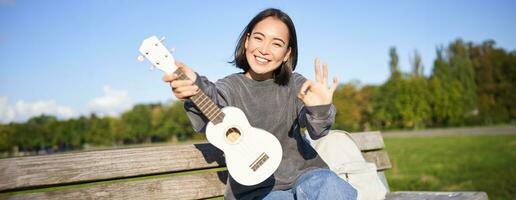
(317, 119)
(315, 109)
(217, 94)
(184, 89)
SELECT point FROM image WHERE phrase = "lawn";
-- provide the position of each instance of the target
(454, 163)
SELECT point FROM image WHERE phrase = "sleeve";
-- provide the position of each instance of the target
(217, 94)
(316, 119)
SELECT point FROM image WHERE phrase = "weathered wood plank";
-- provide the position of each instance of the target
(106, 164)
(196, 186)
(366, 141)
(68, 168)
(380, 158)
(402, 195)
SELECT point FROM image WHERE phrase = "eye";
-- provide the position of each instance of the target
(257, 38)
(277, 45)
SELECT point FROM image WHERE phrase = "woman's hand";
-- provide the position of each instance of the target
(182, 89)
(318, 93)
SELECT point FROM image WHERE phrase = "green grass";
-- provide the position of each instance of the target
(454, 163)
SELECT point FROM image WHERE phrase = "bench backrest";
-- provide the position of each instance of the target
(190, 171)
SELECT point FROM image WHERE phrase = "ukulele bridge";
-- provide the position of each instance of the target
(259, 161)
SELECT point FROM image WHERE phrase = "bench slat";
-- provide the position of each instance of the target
(402, 195)
(105, 164)
(195, 186)
(66, 168)
(367, 141)
(380, 158)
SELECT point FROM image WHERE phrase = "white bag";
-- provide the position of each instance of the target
(343, 156)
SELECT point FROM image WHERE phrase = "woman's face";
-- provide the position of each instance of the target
(266, 47)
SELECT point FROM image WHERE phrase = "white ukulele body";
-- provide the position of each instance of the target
(253, 156)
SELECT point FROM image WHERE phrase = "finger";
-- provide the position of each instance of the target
(334, 85)
(317, 70)
(186, 94)
(169, 77)
(181, 83)
(302, 92)
(179, 64)
(186, 70)
(186, 89)
(325, 74)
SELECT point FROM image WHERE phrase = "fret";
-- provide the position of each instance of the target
(204, 107)
(202, 104)
(211, 108)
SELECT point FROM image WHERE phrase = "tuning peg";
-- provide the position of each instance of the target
(152, 67)
(162, 39)
(141, 58)
(172, 50)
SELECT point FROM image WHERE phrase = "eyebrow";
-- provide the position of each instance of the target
(263, 35)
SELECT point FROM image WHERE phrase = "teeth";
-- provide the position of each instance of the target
(261, 59)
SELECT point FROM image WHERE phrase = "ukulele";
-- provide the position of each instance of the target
(252, 154)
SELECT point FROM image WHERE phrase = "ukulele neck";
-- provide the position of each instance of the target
(203, 102)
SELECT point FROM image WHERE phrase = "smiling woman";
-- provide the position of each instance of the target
(266, 92)
(268, 45)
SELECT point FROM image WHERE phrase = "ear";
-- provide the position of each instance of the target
(246, 40)
(287, 55)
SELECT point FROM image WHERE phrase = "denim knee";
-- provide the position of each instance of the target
(324, 184)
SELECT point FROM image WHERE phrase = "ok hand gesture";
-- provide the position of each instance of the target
(318, 93)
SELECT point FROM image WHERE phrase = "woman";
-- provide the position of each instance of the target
(279, 101)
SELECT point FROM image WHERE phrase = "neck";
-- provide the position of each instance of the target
(258, 77)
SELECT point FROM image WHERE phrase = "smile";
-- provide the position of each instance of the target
(261, 60)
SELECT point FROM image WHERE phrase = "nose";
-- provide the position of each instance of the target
(264, 49)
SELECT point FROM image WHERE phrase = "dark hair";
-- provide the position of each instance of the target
(282, 74)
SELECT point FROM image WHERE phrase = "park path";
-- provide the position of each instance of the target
(489, 130)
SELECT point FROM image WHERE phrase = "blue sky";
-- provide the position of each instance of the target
(70, 57)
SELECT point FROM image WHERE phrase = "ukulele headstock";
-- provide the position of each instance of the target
(160, 57)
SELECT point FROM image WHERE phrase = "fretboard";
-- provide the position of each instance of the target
(203, 102)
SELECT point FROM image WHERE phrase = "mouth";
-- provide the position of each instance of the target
(261, 60)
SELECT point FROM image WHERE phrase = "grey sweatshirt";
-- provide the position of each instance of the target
(277, 110)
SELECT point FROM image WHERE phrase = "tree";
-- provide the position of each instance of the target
(394, 63)
(445, 93)
(137, 124)
(354, 106)
(174, 124)
(495, 86)
(463, 71)
(386, 115)
(417, 65)
(6, 136)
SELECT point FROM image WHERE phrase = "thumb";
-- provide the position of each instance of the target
(302, 92)
(187, 70)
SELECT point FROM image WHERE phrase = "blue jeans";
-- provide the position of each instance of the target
(316, 184)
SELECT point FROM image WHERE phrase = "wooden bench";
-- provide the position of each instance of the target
(191, 171)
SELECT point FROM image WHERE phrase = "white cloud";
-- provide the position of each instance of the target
(112, 103)
(7, 113)
(21, 111)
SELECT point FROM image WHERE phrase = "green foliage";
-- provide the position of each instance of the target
(394, 63)
(175, 124)
(354, 107)
(402, 102)
(495, 72)
(141, 124)
(137, 124)
(446, 94)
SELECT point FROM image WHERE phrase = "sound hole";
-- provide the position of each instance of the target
(232, 135)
